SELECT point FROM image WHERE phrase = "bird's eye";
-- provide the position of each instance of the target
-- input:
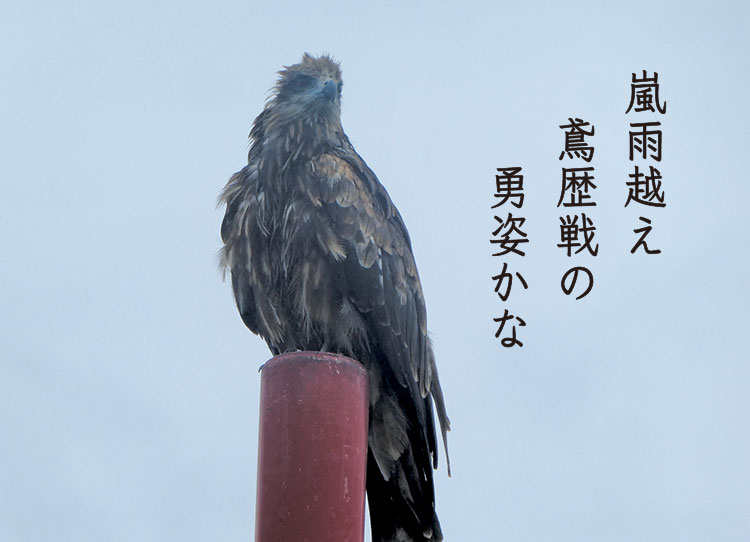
(302, 83)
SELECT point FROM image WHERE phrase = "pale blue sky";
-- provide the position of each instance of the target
(128, 383)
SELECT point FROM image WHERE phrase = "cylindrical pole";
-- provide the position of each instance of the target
(312, 453)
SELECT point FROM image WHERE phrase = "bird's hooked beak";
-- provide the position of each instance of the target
(329, 90)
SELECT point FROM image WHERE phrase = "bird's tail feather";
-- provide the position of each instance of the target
(393, 516)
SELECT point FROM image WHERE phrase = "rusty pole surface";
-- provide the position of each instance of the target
(312, 449)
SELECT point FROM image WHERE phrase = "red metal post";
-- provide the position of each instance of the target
(312, 449)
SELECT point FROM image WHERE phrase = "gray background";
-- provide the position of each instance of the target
(128, 384)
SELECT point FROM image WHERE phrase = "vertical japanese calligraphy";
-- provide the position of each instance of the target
(577, 190)
(508, 239)
(645, 143)
(576, 203)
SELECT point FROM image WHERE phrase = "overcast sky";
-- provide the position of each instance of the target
(128, 383)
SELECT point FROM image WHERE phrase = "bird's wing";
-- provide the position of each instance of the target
(380, 275)
(242, 231)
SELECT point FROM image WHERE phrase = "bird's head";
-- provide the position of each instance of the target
(311, 87)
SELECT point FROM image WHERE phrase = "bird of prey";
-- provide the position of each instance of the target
(320, 260)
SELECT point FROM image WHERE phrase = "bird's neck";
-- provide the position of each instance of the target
(291, 140)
